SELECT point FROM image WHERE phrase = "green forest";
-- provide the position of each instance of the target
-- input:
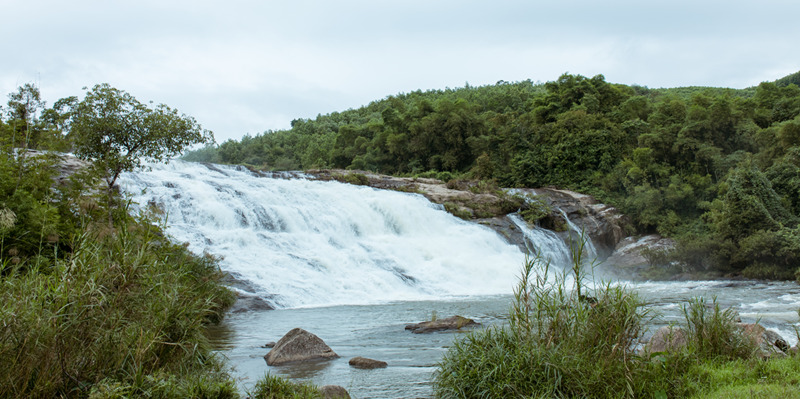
(716, 169)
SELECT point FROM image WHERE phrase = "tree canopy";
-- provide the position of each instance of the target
(712, 167)
(117, 132)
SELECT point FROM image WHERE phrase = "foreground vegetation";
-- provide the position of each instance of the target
(95, 302)
(717, 169)
(566, 338)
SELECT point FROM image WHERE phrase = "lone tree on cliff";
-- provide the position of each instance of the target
(118, 133)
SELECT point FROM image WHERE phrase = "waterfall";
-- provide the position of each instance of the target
(546, 244)
(577, 234)
(303, 243)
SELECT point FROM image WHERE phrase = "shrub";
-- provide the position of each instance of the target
(358, 179)
(534, 209)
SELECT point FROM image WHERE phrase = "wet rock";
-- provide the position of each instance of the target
(602, 223)
(366, 363)
(334, 391)
(246, 303)
(270, 344)
(458, 199)
(506, 228)
(667, 339)
(628, 258)
(299, 345)
(769, 343)
(450, 323)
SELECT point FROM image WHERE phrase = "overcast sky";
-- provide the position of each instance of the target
(248, 66)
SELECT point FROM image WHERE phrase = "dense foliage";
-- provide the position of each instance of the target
(90, 308)
(718, 169)
(119, 133)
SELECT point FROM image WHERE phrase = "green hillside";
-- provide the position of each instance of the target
(716, 168)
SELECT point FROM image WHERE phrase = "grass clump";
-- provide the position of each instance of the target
(272, 387)
(125, 312)
(714, 333)
(562, 340)
(565, 338)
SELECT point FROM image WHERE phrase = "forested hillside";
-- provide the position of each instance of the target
(718, 169)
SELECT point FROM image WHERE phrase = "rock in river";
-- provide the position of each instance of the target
(450, 323)
(299, 345)
(366, 363)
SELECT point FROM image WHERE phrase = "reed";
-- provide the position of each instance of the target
(565, 338)
(568, 338)
(124, 313)
(713, 332)
(272, 387)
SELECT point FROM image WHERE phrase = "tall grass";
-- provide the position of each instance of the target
(564, 338)
(123, 313)
(713, 332)
(272, 387)
(568, 338)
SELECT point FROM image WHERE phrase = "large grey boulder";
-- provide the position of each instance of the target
(246, 303)
(768, 342)
(450, 323)
(299, 345)
(628, 258)
(667, 339)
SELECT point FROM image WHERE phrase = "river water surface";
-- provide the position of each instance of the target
(377, 332)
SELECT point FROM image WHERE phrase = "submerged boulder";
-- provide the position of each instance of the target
(246, 303)
(366, 363)
(450, 323)
(299, 345)
(334, 391)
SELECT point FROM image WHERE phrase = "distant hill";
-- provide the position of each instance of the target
(789, 79)
(688, 91)
(714, 167)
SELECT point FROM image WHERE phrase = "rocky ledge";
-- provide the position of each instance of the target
(467, 200)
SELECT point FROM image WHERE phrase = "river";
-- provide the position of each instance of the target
(353, 265)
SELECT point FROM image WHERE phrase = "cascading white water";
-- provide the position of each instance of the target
(312, 243)
(546, 244)
(590, 251)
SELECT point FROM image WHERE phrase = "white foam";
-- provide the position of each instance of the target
(312, 243)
